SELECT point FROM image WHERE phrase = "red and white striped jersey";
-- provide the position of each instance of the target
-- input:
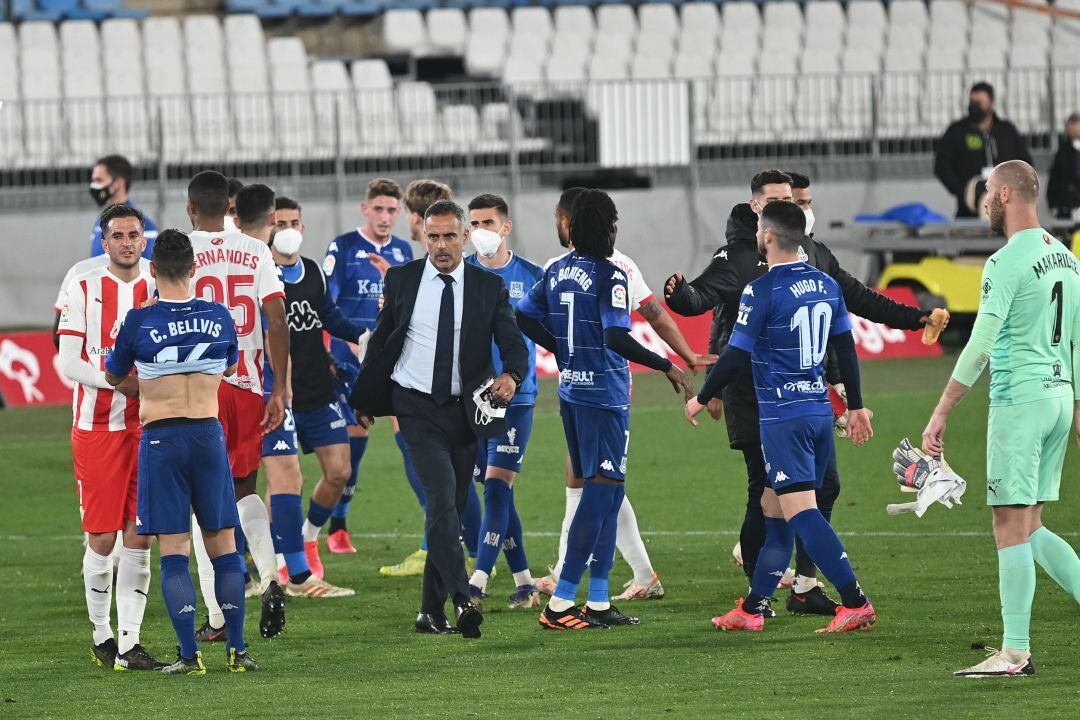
(239, 272)
(84, 266)
(97, 302)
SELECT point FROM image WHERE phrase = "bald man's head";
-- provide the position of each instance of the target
(1013, 185)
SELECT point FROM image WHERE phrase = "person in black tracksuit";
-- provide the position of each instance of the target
(718, 289)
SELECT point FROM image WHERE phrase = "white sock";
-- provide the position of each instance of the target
(628, 540)
(132, 585)
(311, 532)
(255, 521)
(804, 584)
(206, 576)
(573, 499)
(97, 582)
(115, 556)
(479, 579)
(598, 605)
(560, 605)
(523, 578)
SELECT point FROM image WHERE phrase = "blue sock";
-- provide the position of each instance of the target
(179, 594)
(827, 552)
(241, 549)
(597, 503)
(771, 564)
(318, 514)
(513, 541)
(604, 554)
(498, 498)
(229, 587)
(470, 522)
(357, 448)
(286, 525)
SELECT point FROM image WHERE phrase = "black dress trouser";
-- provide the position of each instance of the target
(443, 449)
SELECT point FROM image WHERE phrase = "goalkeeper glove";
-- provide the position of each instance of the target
(930, 477)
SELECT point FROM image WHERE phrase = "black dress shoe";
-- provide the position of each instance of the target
(428, 624)
(469, 619)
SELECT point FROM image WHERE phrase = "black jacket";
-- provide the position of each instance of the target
(486, 316)
(963, 151)
(1063, 189)
(719, 287)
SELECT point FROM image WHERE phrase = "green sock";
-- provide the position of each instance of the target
(1058, 559)
(1016, 578)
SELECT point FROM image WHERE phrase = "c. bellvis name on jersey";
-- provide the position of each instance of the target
(785, 320)
(175, 337)
(580, 297)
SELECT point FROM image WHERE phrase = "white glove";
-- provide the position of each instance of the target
(930, 477)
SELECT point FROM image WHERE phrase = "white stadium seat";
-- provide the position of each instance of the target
(523, 70)
(461, 127)
(574, 20)
(702, 16)
(403, 31)
(166, 84)
(660, 18)
(535, 21)
(603, 67)
(83, 89)
(563, 69)
(614, 47)
(909, 14)
(483, 56)
(655, 44)
(447, 30)
(40, 81)
(371, 74)
(650, 67)
(616, 20)
(866, 15)
(11, 143)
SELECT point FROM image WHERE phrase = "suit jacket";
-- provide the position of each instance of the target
(486, 317)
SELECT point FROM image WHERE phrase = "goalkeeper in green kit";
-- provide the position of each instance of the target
(1027, 326)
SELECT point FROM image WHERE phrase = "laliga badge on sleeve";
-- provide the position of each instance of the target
(930, 477)
(488, 407)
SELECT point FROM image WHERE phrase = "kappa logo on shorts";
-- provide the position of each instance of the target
(781, 476)
(607, 465)
(282, 445)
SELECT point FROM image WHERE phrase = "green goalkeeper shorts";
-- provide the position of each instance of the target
(1025, 449)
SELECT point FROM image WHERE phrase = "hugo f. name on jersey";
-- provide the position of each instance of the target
(238, 271)
(96, 304)
(785, 320)
(581, 296)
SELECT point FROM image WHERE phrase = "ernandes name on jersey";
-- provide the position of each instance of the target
(572, 272)
(576, 377)
(200, 326)
(801, 287)
(226, 255)
(1055, 261)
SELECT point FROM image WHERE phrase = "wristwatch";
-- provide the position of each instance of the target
(515, 377)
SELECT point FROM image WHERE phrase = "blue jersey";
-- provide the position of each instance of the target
(352, 281)
(578, 298)
(519, 275)
(149, 231)
(785, 320)
(175, 337)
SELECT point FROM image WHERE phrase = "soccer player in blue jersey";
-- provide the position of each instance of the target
(110, 181)
(181, 347)
(787, 319)
(584, 300)
(498, 461)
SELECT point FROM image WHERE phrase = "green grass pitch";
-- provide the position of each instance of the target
(933, 581)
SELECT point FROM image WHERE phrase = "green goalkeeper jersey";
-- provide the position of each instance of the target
(1033, 285)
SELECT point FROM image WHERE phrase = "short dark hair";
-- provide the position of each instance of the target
(566, 200)
(235, 185)
(768, 177)
(172, 255)
(983, 86)
(284, 202)
(119, 167)
(119, 210)
(798, 180)
(592, 225)
(380, 187)
(209, 191)
(253, 203)
(787, 221)
(422, 194)
(440, 208)
(489, 201)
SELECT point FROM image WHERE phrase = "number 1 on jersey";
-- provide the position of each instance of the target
(567, 299)
(1056, 297)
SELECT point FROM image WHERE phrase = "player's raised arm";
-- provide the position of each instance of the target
(669, 332)
(529, 314)
(700, 295)
(277, 340)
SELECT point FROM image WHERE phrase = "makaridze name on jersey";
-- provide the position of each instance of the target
(573, 272)
(576, 377)
(1055, 261)
(802, 287)
(226, 255)
(198, 326)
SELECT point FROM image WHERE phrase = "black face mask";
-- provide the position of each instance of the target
(976, 113)
(100, 194)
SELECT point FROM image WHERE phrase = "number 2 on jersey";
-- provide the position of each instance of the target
(813, 326)
(236, 300)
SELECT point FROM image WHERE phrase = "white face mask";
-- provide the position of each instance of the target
(809, 212)
(287, 241)
(486, 242)
(1076, 144)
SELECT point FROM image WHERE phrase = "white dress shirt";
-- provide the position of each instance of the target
(416, 366)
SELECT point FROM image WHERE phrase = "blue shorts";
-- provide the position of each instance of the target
(325, 425)
(597, 438)
(184, 468)
(506, 451)
(797, 450)
(283, 440)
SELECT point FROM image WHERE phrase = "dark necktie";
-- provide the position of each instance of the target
(444, 344)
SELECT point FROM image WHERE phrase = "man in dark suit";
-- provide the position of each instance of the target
(430, 352)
